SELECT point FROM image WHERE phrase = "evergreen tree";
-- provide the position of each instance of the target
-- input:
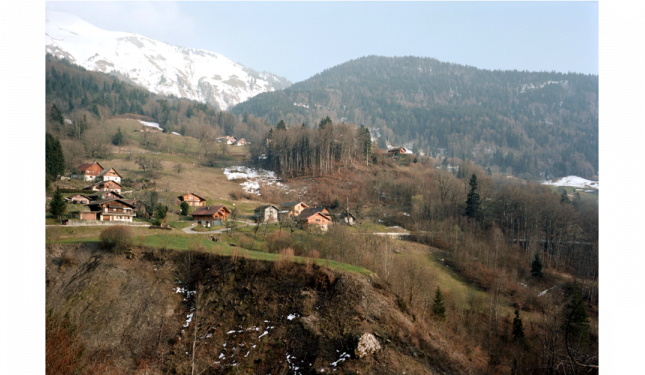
(117, 139)
(564, 197)
(281, 125)
(444, 163)
(57, 206)
(472, 202)
(57, 115)
(536, 266)
(184, 208)
(416, 160)
(438, 307)
(324, 122)
(54, 158)
(160, 212)
(518, 328)
(488, 172)
(95, 110)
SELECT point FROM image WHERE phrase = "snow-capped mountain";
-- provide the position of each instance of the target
(160, 67)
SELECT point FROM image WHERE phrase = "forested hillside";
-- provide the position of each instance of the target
(86, 98)
(531, 124)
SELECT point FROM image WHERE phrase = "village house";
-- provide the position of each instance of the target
(192, 199)
(310, 217)
(140, 207)
(87, 171)
(229, 140)
(396, 150)
(109, 174)
(241, 142)
(290, 209)
(78, 198)
(267, 213)
(347, 218)
(109, 210)
(210, 215)
(104, 186)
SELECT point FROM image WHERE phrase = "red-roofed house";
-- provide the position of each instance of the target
(104, 186)
(396, 150)
(192, 199)
(87, 171)
(110, 175)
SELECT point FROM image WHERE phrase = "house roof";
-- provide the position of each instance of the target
(82, 195)
(312, 210)
(260, 208)
(103, 172)
(306, 215)
(183, 195)
(86, 166)
(344, 214)
(208, 210)
(396, 149)
(124, 201)
(291, 204)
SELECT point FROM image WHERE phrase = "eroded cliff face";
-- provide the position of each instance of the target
(170, 311)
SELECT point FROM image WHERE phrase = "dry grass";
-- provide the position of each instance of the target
(283, 262)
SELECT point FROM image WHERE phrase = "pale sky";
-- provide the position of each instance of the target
(299, 39)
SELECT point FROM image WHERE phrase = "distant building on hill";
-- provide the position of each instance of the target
(312, 216)
(109, 210)
(267, 213)
(292, 208)
(192, 199)
(229, 140)
(104, 186)
(109, 174)
(396, 150)
(210, 215)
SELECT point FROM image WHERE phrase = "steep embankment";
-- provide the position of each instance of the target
(157, 310)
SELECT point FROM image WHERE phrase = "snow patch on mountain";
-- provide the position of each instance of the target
(159, 67)
(573, 181)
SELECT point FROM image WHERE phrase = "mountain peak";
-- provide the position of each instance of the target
(157, 66)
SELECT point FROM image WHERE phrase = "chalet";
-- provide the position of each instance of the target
(87, 171)
(292, 208)
(313, 217)
(78, 198)
(229, 140)
(267, 213)
(109, 174)
(104, 186)
(347, 218)
(110, 210)
(241, 142)
(192, 199)
(313, 210)
(140, 207)
(210, 215)
(396, 150)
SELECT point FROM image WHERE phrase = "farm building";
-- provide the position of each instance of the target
(241, 142)
(105, 195)
(347, 218)
(192, 199)
(210, 215)
(267, 213)
(229, 140)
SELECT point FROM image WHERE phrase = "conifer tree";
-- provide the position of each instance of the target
(564, 197)
(536, 266)
(518, 328)
(281, 125)
(438, 307)
(57, 206)
(579, 320)
(117, 139)
(472, 201)
(57, 115)
(54, 158)
(184, 208)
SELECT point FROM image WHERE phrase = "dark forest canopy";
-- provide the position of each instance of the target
(533, 124)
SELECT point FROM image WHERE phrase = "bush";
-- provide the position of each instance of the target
(68, 259)
(117, 239)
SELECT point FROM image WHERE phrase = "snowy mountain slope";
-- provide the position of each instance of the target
(573, 181)
(159, 67)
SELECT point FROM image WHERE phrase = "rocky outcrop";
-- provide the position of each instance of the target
(367, 345)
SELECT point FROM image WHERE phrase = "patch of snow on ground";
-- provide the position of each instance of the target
(291, 316)
(573, 181)
(253, 178)
(343, 357)
(265, 333)
(152, 124)
(544, 292)
(189, 317)
(175, 133)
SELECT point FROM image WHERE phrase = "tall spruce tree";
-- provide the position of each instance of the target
(472, 201)
(281, 125)
(57, 206)
(518, 328)
(536, 266)
(438, 306)
(54, 158)
(117, 139)
(564, 197)
(579, 322)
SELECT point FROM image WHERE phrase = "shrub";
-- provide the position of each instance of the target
(68, 259)
(283, 261)
(117, 239)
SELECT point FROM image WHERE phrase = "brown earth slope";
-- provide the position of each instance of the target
(169, 311)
